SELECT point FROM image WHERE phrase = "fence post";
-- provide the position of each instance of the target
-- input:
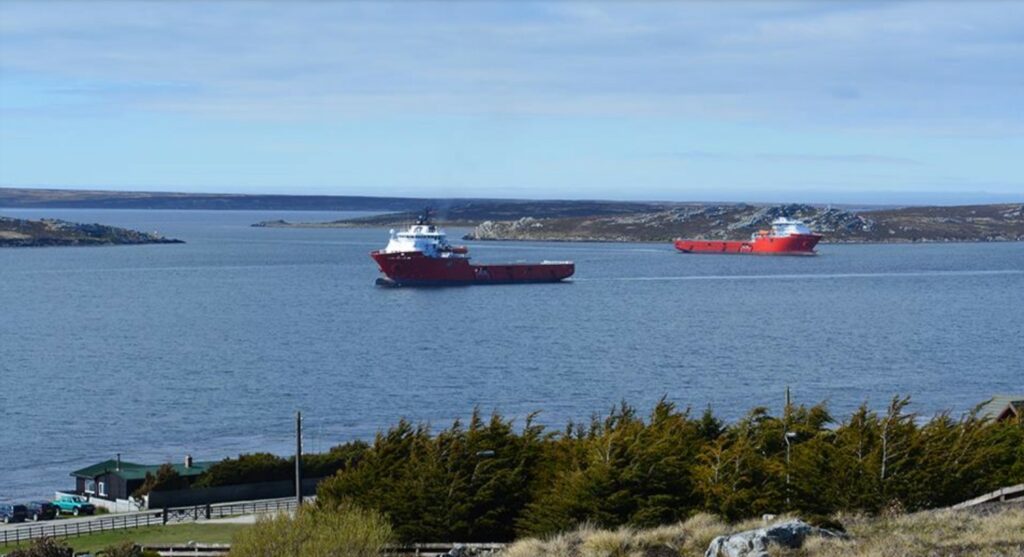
(165, 515)
(208, 510)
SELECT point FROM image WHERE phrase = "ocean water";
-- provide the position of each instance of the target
(208, 348)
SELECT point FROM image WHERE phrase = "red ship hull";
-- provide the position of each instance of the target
(796, 244)
(416, 269)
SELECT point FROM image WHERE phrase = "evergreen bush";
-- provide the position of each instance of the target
(489, 481)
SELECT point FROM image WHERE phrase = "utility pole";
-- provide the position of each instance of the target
(298, 459)
(787, 436)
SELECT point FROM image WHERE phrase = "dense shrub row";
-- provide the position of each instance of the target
(266, 467)
(256, 468)
(489, 481)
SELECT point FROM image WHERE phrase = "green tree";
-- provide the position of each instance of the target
(321, 465)
(740, 474)
(247, 468)
(628, 472)
(463, 484)
(165, 479)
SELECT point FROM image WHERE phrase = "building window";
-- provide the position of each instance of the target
(90, 486)
(103, 489)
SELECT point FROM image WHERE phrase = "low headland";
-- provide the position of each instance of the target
(572, 221)
(52, 232)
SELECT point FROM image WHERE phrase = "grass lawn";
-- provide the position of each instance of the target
(172, 533)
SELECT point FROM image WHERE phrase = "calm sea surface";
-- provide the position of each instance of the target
(210, 347)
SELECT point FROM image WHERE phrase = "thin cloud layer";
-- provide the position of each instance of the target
(856, 64)
(942, 71)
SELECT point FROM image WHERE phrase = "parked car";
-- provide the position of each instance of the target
(12, 513)
(73, 504)
(41, 510)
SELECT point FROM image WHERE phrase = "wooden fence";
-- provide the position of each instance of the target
(71, 528)
(439, 549)
(411, 550)
(1006, 493)
(74, 528)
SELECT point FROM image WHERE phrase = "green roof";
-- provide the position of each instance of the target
(133, 471)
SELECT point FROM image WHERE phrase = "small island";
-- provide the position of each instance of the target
(52, 232)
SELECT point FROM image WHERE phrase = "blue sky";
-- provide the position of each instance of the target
(875, 102)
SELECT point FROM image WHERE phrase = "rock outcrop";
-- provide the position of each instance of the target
(739, 221)
(755, 543)
(583, 221)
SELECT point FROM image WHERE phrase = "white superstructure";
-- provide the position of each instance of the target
(788, 227)
(424, 238)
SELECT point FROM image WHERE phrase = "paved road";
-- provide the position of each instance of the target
(243, 512)
(67, 519)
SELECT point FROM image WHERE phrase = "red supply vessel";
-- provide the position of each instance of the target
(786, 237)
(422, 256)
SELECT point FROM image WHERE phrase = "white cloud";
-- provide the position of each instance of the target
(900, 65)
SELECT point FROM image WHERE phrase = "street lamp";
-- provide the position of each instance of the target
(483, 456)
(789, 435)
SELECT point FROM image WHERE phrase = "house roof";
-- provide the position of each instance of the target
(998, 406)
(133, 471)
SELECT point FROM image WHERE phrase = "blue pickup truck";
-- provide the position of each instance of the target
(73, 504)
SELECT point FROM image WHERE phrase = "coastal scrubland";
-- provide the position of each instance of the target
(348, 531)
(625, 484)
(488, 480)
(624, 477)
(946, 533)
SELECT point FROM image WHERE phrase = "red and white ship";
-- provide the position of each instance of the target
(786, 237)
(422, 256)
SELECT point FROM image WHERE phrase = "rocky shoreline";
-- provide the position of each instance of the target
(983, 223)
(52, 233)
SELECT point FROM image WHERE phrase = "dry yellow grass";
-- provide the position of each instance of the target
(685, 538)
(944, 533)
(932, 534)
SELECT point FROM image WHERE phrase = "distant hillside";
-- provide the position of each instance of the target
(915, 224)
(468, 211)
(474, 212)
(86, 199)
(602, 221)
(504, 219)
(50, 232)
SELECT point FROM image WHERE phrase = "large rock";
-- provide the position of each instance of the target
(837, 220)
(461, 550)
(521, 229)
(765, 215)
(754, 543)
